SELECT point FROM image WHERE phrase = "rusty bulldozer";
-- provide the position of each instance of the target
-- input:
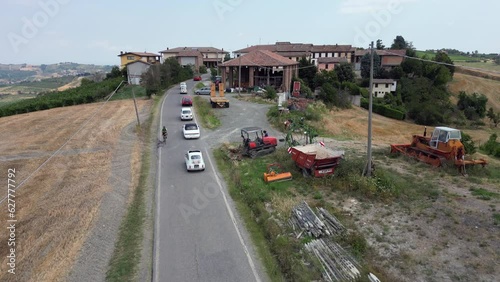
(442, 147)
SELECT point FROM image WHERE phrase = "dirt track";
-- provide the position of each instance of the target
(59, 205)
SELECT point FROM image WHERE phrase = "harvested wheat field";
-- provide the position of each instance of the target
(57, 207)
(470, 84)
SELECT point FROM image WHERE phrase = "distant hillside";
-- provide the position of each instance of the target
(17, 73)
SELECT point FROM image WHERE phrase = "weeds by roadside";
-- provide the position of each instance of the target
(204, 111)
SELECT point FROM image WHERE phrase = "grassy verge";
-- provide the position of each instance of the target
(266, 207)
(126, 92)
(127, 254)
(204, 111)
(199, 85)
(256, 99)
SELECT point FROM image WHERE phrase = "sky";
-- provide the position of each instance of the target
(95, 31)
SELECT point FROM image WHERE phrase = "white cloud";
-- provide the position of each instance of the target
(367, 6)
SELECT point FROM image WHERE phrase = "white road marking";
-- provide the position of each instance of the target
(156, 242)
(245, 249)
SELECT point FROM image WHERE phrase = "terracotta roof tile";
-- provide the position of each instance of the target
(189, 53)
(263, 58)
(332, 48)
(201, 49)
(385, 52)
(332, 60)
(382, 80)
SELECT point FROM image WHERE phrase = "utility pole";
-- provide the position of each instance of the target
(239, 75)
(135, 105)
(217, 63)
(368, 168)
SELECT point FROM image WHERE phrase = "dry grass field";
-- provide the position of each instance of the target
(470, 84)
(57, 206)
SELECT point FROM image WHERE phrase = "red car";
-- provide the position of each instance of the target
(187, 101)
(197, 78)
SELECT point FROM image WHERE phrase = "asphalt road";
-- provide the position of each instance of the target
(198, 235)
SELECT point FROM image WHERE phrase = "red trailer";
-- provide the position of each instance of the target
(316, 160)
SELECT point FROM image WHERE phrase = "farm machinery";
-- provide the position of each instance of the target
(442, 147)
(273, 173)
(255, 143)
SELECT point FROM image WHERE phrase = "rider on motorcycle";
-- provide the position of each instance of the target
(164, 133)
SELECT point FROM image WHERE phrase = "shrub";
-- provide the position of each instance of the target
(203, 69)
(270, 93)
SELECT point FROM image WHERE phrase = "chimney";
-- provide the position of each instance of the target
(167, 48)
(121, 52)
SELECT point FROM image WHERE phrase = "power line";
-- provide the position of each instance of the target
(62, 146)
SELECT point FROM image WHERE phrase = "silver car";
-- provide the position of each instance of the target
(203, 91)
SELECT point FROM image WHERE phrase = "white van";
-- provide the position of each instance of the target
(184, 89)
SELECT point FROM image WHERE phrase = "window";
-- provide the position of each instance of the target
(191, 127)
(326, 66)
(195, 157)
(386, 85)
(376, 84)
(130, 57)
(186, 112)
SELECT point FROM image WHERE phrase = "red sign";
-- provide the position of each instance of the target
(296, 86)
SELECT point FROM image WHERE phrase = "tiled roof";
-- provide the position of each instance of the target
(332, 60)
(297, 47)
(262, 58)
(189, 53)
(138, 61)
(380, 80)
(294, 54)
(201, 49)
(385, 52)
(140, 54)
(332, 48)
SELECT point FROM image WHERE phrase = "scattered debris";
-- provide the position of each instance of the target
(307, 221)
(338, 265)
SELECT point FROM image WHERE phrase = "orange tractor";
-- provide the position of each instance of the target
(442, 147)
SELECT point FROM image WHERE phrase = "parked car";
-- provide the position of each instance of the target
(197, 78)
(203, 91)
(191, 131)
(194, 160)
(186, 114)
(186, 101)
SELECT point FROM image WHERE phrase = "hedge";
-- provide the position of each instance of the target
(87, 93)
(384, 110)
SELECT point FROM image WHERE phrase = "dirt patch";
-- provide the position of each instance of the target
(59, 205)
(75, 83)
(449, 236)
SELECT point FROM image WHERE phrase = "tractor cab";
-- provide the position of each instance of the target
(254, 136)
(444, 135)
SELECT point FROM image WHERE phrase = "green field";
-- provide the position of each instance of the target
(470, 62)
(7, 99)
(36, 87)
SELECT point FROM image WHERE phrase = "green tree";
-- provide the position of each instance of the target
(307, 71)
(365, 65)
(345, 72)
(43, 67)
(397, 72)
(474, 106)
(227, 57)
(399, 43)
(469, 146)
(151, 80)
(444, 58)
(380, 45)
(325, 76)
(115, 72)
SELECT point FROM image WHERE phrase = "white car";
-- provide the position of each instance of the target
(194, 160)
(183, 87)
(186, 114)
(191, 131)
